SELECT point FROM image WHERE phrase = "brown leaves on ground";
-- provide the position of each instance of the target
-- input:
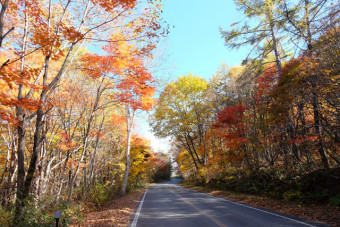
(318, 213)
(117, 213)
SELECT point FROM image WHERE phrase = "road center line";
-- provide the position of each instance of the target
(134, 223)
(267, 212)
(217, 222)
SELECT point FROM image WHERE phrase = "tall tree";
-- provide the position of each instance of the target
(183, 114)
(306, 20)
(136, 91)
(260, 31)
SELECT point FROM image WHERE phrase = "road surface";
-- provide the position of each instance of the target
(170, 205)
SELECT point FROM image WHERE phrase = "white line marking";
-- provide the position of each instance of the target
(256, 209)
(134, 223)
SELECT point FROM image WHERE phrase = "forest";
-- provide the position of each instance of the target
(73, 75)
(269, 126)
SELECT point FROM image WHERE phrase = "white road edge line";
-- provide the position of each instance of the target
(304, 223)
(134, 223)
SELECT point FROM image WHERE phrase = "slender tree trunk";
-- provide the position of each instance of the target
(93, 159)
(129, 122)
(275, 45)
(193, 148)
(74, 177)
(190, 152)
(21, 129)
(87, 132)
(317, 126)
(303, 131)
(291, 134)
(39, 179)
(8, 155)
(4, 5)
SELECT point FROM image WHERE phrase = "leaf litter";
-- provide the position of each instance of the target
(117, 213)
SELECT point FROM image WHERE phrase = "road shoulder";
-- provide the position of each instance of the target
(118, 213)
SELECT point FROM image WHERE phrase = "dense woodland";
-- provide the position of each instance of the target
(66, 112)
(271, 125)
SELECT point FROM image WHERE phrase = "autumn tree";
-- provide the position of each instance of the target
(54, 33)
(183, 114)
(162, 165)
(136, 94)
(305, 20)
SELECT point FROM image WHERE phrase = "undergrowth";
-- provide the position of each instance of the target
(320, 186)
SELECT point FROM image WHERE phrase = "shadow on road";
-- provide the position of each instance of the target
(172, 181)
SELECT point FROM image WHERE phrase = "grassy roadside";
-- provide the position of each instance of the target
(117, 213)
(315, 212)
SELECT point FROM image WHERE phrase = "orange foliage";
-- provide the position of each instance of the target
(73, 164)
(265, 82)
(301, 139)
(110, 5)
(231, 129)
(124, 65)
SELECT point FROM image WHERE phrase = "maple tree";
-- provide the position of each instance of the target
(133, 85)
(136, 94)
(41, 41)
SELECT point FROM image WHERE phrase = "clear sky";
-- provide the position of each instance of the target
(195, 43)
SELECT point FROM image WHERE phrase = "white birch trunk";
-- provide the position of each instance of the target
(130, 114)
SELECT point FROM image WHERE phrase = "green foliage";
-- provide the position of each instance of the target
(262, 182)
(335, 200)
(276, 184)
(99, 194)
(5, 217)
(75, 214)
(292, 195)
(320, 185)
(315, 197)
(38, 214)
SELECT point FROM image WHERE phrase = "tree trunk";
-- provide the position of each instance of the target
(21, 129)
(185, 144)
(275, 46)
(303, 132)
(291, 134)
(129, 123)
(87, 132)
(317, 126)
(93, 158)
(38, 137)
(4, 5)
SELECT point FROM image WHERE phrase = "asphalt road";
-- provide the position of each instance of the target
(168, 204)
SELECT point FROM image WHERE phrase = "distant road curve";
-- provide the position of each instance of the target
(170, 205)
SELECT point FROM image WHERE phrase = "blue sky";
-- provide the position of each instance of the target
(195, 44)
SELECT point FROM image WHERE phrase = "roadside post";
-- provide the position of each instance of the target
(57, 215)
